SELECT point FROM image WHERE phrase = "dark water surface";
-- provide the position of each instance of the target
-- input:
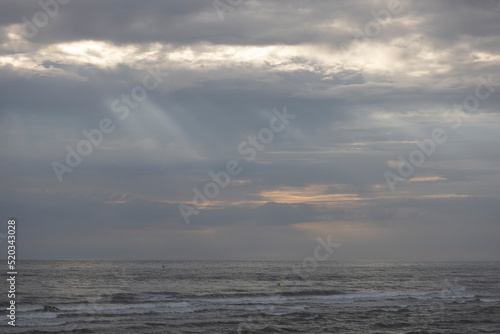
(243, 297)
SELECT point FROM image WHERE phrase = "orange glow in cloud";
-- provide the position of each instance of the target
(310, 194)
(426, 179)
(445, 196)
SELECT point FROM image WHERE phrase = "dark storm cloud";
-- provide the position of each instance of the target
(172, 22)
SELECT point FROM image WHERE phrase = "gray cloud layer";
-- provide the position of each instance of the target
(361, 98)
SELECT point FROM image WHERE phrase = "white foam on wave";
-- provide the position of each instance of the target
(394, 309)
(287, 304)
(140, 308)
(290, 310)
(369, 296)
(489, 300)
(244, 302)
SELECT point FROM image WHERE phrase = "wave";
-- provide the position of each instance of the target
(118, 298)
(40, 323)
(126, 298)
(129, 308)
(40, 315)
(489, 300)
(277, 303)
(312, 293)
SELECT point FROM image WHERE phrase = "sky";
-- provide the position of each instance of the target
(248, 129)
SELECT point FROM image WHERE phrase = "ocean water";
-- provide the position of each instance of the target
(243, 297)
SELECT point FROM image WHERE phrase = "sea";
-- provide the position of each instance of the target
(101, 296)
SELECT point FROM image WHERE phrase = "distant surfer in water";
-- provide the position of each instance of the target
(163, 267)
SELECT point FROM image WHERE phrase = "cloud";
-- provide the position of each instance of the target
(362, 100)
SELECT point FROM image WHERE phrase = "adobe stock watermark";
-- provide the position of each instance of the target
(94, 137)
(427, 147)
(307, 267)
(374, 27)
(226, 6)
(30, 28)
(248, 149)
